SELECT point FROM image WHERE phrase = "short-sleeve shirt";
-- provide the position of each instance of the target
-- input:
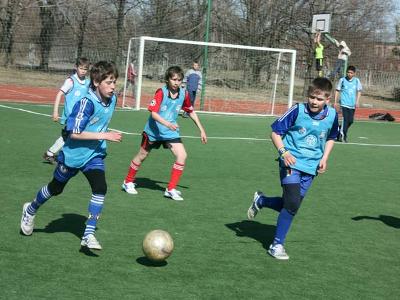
(348, 91)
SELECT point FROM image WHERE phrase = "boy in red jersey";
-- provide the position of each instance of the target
(162, 129)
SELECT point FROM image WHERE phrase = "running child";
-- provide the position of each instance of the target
(162, 129)
(74, 89)
(84, 150)
(304, 137)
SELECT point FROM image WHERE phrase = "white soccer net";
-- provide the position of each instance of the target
(236, 79)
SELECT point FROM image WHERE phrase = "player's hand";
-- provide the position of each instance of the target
(55, 117)
(322, 166)
(172, 126)
(203, 137)
(289, 159)
(113, 136)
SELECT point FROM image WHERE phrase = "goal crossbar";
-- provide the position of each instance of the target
(143, 39)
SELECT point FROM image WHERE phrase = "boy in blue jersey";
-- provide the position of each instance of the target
(84, 150)
(348, 90)
(74, 89)
(304, 137)
(193, 82)
(162, 129)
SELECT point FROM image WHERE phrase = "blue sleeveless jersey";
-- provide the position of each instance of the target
(89, 114)
(306, 139)
(169, 110)
(77, 92)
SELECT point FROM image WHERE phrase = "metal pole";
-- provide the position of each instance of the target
(205, 60)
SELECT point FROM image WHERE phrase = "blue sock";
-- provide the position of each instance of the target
(275, 203)
(95, 207)
(42, 196)
(282, 226)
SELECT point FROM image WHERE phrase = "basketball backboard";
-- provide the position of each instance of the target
(321, 23)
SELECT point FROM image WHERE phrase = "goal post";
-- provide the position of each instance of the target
(240, 79)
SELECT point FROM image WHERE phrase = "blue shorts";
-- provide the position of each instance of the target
(292, 176)
(64, 173)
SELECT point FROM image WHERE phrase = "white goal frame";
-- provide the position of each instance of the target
(139, 61)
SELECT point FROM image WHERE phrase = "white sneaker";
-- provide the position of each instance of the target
(27, 220)
(254, 209)
(91, 242)
(129, 187)
(278, 251)
(173, 194)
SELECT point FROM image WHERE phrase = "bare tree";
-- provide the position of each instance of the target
(11, 15)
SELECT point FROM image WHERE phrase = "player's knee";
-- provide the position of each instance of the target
(291, 197)
(55, 187)
(142, 155)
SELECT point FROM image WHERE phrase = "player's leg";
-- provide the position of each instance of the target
(129, 183)
(61, 176)
(179, 151)
(260, 200)
(97, 180)
(294, 185)
(50, 154)
(348, 118)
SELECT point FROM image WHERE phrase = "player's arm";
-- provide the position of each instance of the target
(112, 136)
(57, 101)
(196, 120)
(337, 93)
(154, 108)
(359, 88)
(188, 108)
(65, 89)
(156, 116)
(279, 128)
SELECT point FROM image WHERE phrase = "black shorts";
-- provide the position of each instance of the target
(149, 145)
(318, 64)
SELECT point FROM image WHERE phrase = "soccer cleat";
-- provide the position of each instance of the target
(91, 242)
(27, 220)
(173, 194)
(254, 209)
(129, 187)
(278, 251)
(51, 159)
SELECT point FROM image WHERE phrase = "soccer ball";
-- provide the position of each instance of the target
(158, 245)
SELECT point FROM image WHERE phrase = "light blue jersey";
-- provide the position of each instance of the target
(76, 93)
(307, 137)
(168, 109)
(348, 91)
(89, 114)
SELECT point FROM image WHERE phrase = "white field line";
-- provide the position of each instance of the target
(196, 137)
(26, 94)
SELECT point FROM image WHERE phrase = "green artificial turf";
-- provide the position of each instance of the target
(343, 243)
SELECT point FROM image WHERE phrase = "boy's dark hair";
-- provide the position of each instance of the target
(82, 61)
(351, 68)
(321, 84)
(101, 70)
(171, 71)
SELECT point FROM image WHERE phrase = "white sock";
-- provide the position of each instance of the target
(59, 143)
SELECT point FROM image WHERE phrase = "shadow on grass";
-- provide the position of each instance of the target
(260, 232)
(148, 263)
(152, 184)
(388, 220)
(72, 223)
